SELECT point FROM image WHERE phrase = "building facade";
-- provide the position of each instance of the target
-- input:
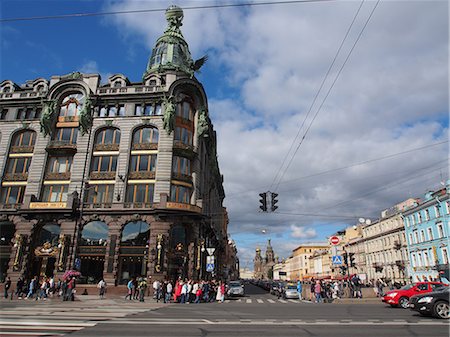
(115, 180)
(427, 234)
(299, 264)
(263, 266)
(385, 245)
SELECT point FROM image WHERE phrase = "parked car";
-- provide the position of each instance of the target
(400, 297)
(235, 288)
(434, 303)
(290, 291)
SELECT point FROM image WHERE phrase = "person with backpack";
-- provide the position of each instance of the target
(130, 289)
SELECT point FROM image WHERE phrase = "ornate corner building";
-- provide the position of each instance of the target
(116, 180)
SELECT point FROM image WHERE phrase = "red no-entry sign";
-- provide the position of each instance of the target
(334, 240)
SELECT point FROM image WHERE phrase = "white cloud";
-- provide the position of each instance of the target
(299, 232)
(391, 96)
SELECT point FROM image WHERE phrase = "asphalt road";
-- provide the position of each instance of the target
(261, 314)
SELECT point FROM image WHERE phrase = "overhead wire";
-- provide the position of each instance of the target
(136, 11)
(329, 90)
(318, 92)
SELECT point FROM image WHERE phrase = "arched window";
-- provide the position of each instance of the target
(71, 105)
(95, 233)
(107, 140)
(135, 233)
(145, 138)
(49, 233)
(24, 139)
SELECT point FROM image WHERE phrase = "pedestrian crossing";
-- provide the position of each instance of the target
(58, 320)
(265, 301)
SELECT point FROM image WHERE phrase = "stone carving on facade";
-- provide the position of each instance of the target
(203, 124)
(47, 117)
(169, 114)
(46, 250)
(86, 116)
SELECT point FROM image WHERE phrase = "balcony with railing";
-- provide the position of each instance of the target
(144, 146)
(182, 177)
(22, 149)
(141, 175)
(106, 147)
(16, 177)
(57, 176)
(107, 175)
(61, 146)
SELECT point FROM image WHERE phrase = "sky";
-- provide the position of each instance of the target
(376, 134)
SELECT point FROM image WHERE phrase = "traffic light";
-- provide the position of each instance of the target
(263, 201)
(345, 257)
(273, 201)
(351, 257)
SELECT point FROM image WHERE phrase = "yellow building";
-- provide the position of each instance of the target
(299, 264)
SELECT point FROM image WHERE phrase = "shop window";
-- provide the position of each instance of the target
(49, 233)
(7, 231)
(95, 233)
(135, 234)
(178, 237)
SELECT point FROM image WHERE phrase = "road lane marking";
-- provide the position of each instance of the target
(259, 300)
(282, 301)
(293, 301)
(270, 301)
(249, 300)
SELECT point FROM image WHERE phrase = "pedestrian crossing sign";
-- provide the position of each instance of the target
(210, 267)
(337, 259)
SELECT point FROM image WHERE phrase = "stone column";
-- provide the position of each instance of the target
(110, 271)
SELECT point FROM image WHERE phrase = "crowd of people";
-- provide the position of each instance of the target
(180, 291)
(42, 288)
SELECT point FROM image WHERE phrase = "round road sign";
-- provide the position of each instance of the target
(334, 240)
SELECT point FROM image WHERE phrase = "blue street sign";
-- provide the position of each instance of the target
(77, 263)
(336, 259)
(210, 267)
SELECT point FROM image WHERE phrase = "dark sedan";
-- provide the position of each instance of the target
(434, 303)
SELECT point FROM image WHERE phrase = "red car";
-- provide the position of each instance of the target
(400, 297)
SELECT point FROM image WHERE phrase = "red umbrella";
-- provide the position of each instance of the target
(71, 273)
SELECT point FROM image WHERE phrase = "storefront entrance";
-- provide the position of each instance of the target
(131, 266)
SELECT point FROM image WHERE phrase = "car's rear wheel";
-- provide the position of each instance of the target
(441, 310)
(403, 302)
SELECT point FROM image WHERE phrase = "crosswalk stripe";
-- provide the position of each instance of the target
(282, 301)
(227, 301)
(249, 301)
(293, 301)
(270, 301)
(259, 300)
